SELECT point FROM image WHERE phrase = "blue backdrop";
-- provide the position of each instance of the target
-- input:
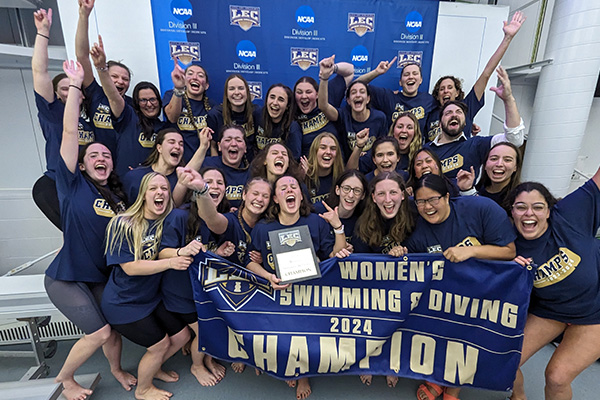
(419, 316)
(270, 42)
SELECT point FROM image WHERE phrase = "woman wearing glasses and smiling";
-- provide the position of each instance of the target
(136, 125)
(460, 228)
(558, 239)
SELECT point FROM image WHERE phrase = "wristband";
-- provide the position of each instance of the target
(335, 68)
(179, 248)
(103, 69)
(198, 193)
(339, 231)
(178, 92)
(76, 87)
(44, 36)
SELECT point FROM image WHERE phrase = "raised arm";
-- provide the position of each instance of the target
(514, 130)
(362, 138)
(207, 210)
(381, 69)
(510, 30)
(42, 83)
(345, 70)
(180, 190)
(116, 101)
(332, 217)
(173, 109)
(326, 70)
(82, 41)
(69, 146)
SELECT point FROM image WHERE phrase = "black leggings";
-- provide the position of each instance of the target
(152, 329)
(46, 198)
(78, 301)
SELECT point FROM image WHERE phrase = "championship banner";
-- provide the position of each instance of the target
(418, 316)
(269, 42)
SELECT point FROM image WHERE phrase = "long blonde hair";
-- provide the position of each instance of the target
(131, 226)
(312, 175)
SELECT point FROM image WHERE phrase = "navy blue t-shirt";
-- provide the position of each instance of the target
(349, 223)
(132, 179)
(320, 232)
(236, 179)
(349, 127)
(215, 122)
(312, 124)
(130, 298)
(191, 142)
(84, 214)
(387, 242)
(293, 140)
(393, 103)
(473, 221)
(322, 192)
(433, 122)
(566, 284)
(462, 154)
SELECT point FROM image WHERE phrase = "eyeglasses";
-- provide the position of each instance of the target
(152, 100)
(536, 208)
(433, 201)
(346, 189)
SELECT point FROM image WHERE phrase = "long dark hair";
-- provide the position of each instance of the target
(515, 178)
(248, 107)
(295, 109)
(412, 179)
(272, 213)
(334, 200)
(160, 138)
(529, 187)
(194, 221)
(259, 168)
(370, 224)
(113, 187)
(146, 123)
(286, 119)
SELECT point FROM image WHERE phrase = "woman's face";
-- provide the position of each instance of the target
(156, 197)
(62, 89)
(277, 102)
(120, 77)
(236, 94)
(148, 103)
(232, 147)
(358, 98)
(388, 197)
(425, 164)
(288, 195)
(306, 97)
(171, 149)
(350, 192)
(433, 207)
(326, 153)
(530, 214)
(196, 82)
(447, 92)
(256, 199)
(501, 164)
(404, 132)
(216, 185)
(385, 157)
(277, 160)
(97, 163)
(411, 80)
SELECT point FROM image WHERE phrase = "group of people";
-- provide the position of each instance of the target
(138, 196)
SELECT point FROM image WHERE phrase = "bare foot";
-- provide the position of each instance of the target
(187, 348)
(291, 383)
(238, 367)
(366, 379)
(125, 379)
(391, 380)
(203, 375)
(303, 389)
(214, 367)
(152, 393)
(167, 376)
(73, 390)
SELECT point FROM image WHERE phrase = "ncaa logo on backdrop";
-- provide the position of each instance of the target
(304, 57)
(186, 52)
(361, 23)
(245, 17)
(305, 16)
(359, 56)
(246, 51)
(181, 9)
(255, 90)
(414, 21)
(406, 57)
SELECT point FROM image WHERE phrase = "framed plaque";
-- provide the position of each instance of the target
(294, 254)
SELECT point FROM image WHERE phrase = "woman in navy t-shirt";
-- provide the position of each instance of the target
(323, 166)
(131, 299)
(557, 239)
